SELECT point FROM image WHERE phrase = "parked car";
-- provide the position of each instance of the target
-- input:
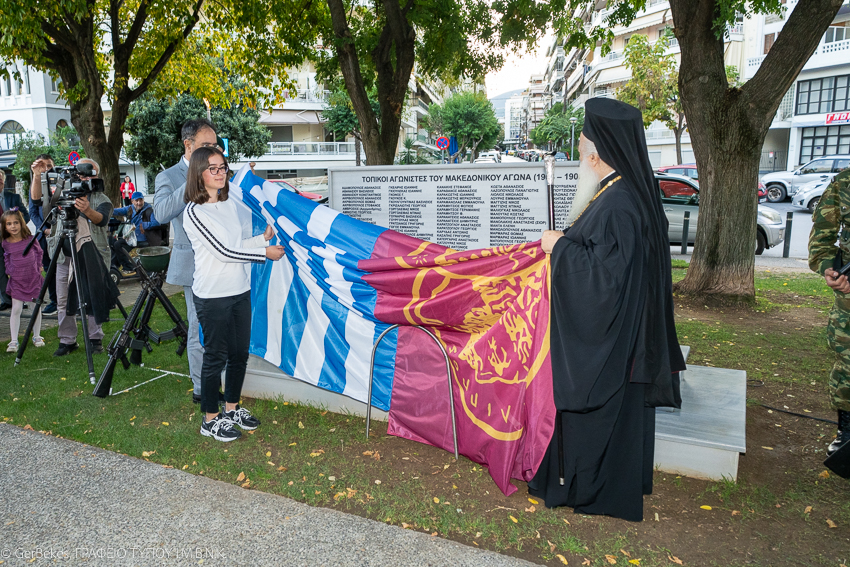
(686, 169)
(485, 160)
(690, 170)
(770, 229)
(782, 184)
(808, 195)
(561, 156)
(496, 156)
(312, 196)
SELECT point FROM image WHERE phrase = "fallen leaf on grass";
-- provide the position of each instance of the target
(562, 558)
(514, 520)
(281, 468)
(405, 526)
(339, 495)
(28, 427)
(367, 453)
(566, 521)
(586, 561)
(807, 510)
(350, 492)
(736, 513)
(271, 463)
(831, 524)
(634, 561)
(824, 474)
(165, 423)
(533, 501)
(551, 546)
(316, 453)
(293, 444)
(300, 425)
(531, 509)
(246, 484)
(626, 553)
(706, 507)
(268, 453)
(768, 448)
(185, 467)
(147, 453)
(611, 559)
(377, 482)
(241, 477)
(675, 559)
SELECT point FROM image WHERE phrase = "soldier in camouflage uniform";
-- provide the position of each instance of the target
(832, 225)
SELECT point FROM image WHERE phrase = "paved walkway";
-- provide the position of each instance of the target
(80, 505)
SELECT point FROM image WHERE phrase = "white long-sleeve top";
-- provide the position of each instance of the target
(222, 256)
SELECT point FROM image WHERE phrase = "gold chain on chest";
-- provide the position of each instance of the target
(607, 185)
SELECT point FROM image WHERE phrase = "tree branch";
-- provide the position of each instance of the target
(169, 51)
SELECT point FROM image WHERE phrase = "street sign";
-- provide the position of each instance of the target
(442, 143)
(73, 158)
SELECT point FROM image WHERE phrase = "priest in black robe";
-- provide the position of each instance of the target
(614, 351)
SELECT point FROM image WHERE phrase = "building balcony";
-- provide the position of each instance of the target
(830, 54)
(310, 148)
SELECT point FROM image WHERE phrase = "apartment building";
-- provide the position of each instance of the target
(813, 118)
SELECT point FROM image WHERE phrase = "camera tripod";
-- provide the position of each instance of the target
(68, 234)
(136, 323)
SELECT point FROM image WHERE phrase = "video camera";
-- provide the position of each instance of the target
(63, 185)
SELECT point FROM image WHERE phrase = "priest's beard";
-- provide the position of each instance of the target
(586, 188)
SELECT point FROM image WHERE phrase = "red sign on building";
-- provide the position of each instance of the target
(838, 118)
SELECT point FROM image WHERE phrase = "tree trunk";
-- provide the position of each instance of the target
(678, 134)
(393, 59)
(727, 128)
(357, 150)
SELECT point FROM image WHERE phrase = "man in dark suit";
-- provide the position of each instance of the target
(168, 206)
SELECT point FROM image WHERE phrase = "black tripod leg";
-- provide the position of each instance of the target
(121, 308)
(51, 272)
(181, 330)
(75, 262)
(142, 329)
(118, 347)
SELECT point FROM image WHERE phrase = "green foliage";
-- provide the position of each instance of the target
(654, 86)
(62, 142)
(154, 127)
(556, 127)
(339, 114)
(469, 117)
(410, 155)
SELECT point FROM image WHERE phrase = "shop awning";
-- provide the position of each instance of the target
(287, 117)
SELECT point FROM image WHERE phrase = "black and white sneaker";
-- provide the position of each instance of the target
(220, 428)
(243, 418)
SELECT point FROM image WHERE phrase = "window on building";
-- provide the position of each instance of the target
(836, 33)
(25, 73)
(769, 40)
(823, 141)
(11, 127)
(54, 84)
(8, 85)
(62, 123)
(817, 95)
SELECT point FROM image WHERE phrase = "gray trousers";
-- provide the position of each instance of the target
(68, 323)
(194, 350)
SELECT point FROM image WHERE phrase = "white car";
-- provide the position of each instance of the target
(808, 196)
(485, 160)
(781, 184)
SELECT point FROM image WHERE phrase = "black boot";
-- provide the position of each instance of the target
(843, 435)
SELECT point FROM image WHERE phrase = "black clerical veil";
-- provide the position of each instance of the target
(617, 131)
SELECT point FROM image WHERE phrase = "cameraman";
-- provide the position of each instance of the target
(95, 210)
(43, 163)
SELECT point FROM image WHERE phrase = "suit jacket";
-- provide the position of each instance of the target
(12, 199)
(168, 206)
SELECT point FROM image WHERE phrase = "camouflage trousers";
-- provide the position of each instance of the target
(838, 337)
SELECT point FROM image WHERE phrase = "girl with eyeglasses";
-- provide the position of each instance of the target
(221, 286)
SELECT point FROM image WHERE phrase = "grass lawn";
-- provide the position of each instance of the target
(779, 512)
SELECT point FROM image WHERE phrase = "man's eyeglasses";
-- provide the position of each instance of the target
(216, 169)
